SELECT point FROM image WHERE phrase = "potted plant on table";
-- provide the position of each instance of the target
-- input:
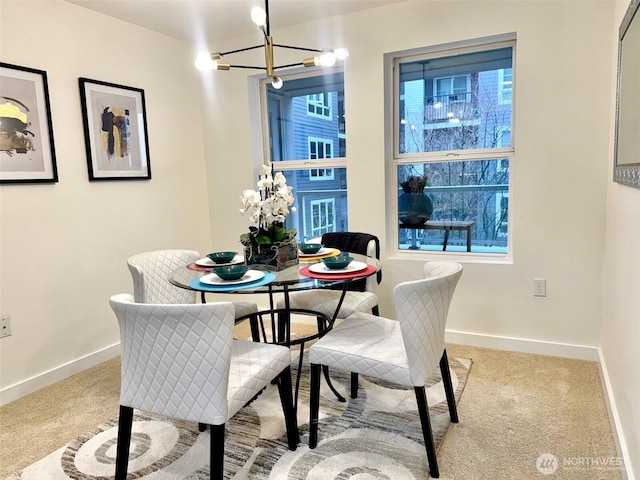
(414, 205)
(269, 243)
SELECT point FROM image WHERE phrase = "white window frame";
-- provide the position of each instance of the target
(392, 94)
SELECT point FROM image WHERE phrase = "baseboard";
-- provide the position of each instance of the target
(565, 350)
(30, 385)
(614, 418)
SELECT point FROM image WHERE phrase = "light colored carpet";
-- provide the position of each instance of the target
(515, 408)
(377, 435)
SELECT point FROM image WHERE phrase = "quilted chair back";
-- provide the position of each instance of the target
(175, 358)
(151, 271)
(422, 307)
(360, 243)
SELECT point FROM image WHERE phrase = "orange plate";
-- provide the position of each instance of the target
(334, 252)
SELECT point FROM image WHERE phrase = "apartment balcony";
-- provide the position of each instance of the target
(450, 108)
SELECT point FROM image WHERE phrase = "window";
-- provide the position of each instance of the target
(319, 105)
(451, 89)
(453, 142)
(319, 148)
(505, 83)
(322, 217)
(503, 139)
(304, 127)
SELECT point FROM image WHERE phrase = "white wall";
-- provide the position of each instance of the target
(64, 246)
(620, 329)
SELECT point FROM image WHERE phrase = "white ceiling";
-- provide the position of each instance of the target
(198, 21)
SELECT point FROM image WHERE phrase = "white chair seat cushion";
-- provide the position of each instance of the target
(365, 344)
(253, 365)
(245, 308)
(326, 301)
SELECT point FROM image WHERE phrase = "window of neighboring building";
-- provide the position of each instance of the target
(323, 213)
(453, 127)
(305, 130)
(319, 148)
(505, 85)
(451, 89)
(319, 105)
(503, 139)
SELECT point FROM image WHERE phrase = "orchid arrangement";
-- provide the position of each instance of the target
(268, 208)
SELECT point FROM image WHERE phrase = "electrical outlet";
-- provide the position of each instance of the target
(5, 326)
(539, 287)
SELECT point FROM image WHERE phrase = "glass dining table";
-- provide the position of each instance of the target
(309, 274)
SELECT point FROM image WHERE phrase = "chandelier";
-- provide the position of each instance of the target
(260, 16)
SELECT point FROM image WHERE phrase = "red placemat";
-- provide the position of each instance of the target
(338, 276)
(198, 268)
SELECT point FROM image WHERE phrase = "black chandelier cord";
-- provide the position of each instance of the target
(251, 67)
(241, 50)
(299, 48)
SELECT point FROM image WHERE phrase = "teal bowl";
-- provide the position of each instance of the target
(233, 272)
(336, 263)
(310, 248)
(222, 257)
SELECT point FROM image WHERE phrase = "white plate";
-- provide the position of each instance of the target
(351, 268)
(207, 262)
(250, 276)
(322, 251)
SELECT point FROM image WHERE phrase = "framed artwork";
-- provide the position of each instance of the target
(115, 131)
(27, 153)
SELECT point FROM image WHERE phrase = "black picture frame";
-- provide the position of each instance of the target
(27, 150)
(115, 131)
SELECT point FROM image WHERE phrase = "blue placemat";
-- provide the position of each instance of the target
(196, 284)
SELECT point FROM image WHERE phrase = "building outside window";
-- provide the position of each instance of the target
(305, 128)
(453, 116)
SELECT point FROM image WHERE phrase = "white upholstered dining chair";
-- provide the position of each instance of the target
(360, 296)
(181, 361)
(404, 352)
(151, 271)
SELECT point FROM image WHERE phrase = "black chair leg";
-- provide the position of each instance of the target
(255, 329)
(125, 421)
(202, 427)
(354, 385)
(216, 452)
(448, 387)
(314, 404)
(427, 433)
(290, 420)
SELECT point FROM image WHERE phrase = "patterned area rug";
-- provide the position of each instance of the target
(376, 436)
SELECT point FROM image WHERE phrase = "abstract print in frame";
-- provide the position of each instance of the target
(27, 153)
(115, 130)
